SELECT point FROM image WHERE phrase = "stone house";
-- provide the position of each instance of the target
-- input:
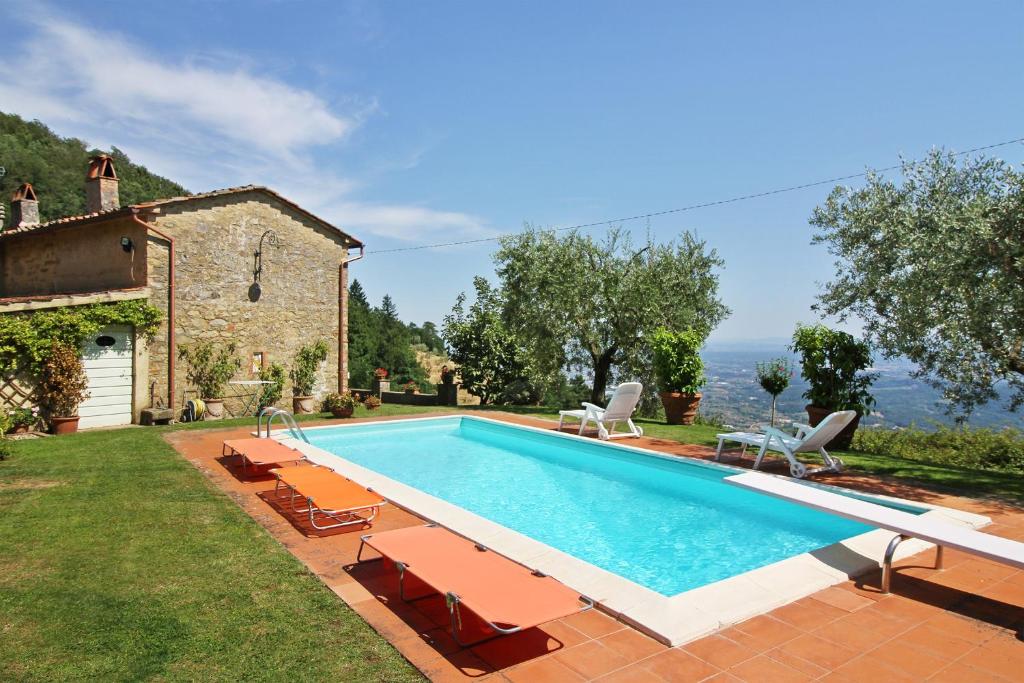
(242, 265)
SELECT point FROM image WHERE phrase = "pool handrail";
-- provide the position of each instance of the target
(287, 418)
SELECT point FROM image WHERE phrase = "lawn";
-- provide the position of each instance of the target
(120, 561)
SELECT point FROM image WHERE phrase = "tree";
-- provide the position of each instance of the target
(583, 303)
(490, 359)
(934, 267)
(394, 345)
(362, 338)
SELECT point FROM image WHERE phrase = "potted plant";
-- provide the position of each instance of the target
(680, 372)
(23, 419)
(447, 376)
(63, 386)
(380, 373)
(371, 403)
(340, 405)
(411, 387)
(210, 368)
(303, 375)
(271, 393)
(833, 364)
(774, 376)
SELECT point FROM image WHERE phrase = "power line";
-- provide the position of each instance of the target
(691, 207)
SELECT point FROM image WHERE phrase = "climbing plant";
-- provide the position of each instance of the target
(27, 339)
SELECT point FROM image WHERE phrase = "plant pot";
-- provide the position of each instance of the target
(214, 408)
(64, 425)
(816, 414)
(20, 429)
(680, 409)
(303, 405)
(342, 412)
(370, 407)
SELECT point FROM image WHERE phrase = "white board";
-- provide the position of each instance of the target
(107, 359)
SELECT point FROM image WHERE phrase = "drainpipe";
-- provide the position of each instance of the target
(170, 306)
(342, 309)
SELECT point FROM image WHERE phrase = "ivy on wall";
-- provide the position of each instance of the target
(26, 338)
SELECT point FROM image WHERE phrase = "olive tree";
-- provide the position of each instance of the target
(934, 267)
(580, 302)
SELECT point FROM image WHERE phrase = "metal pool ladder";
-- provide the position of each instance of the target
(287, 418)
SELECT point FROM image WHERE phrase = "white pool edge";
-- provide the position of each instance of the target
(672, 620)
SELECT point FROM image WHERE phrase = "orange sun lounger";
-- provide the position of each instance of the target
(487, 594)
(329, 494)
(260, 452)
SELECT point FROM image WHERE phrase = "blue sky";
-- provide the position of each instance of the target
(414, 123)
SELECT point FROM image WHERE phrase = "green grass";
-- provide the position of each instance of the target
(119, 561)
(912, 468)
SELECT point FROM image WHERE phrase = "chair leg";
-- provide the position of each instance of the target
(718, 451)
(761, 453)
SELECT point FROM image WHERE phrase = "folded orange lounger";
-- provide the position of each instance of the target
(259, 452)
(329, 494)
(487, 594)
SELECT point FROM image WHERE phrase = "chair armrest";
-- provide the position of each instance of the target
(802, 429)
(591, 406)
(776, 433)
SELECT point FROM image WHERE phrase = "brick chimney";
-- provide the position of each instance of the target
(24, 207)
(101, 185)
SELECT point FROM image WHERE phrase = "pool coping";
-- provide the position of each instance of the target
(672, 620)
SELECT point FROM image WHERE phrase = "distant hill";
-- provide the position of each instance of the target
(32, 153)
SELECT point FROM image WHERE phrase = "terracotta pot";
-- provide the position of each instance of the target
(214, 408)
(844, 438)
(342, 412)
(64, 425)
(303, 405)
(680, 409)
(20, 429)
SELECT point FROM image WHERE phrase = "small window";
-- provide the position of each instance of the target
(105, 340)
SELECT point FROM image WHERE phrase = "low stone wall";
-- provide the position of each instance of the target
(403, 398)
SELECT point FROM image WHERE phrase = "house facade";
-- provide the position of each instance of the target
(242, 265)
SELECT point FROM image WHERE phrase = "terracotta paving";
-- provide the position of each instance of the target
(964, 623)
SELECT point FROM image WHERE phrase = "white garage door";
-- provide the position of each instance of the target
(107, 358)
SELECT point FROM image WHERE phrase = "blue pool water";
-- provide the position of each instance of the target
(667, 525)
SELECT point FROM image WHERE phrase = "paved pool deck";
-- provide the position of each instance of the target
(963, 623)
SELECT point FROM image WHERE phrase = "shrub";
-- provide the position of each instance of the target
(271, 393)
(63, 384)
(5, 449)
(833, 362)
(411, 386)
(6, 422)
(334, 402)
(371, 403)
(677, 361)
(975, 448)
(209, 367)
(774, 376)
(307, 362)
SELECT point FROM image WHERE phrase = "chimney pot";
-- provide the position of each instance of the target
(101, 185)
(24, 207)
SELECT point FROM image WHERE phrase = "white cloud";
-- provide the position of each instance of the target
(206, 124)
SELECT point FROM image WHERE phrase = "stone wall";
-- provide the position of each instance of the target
(87, 259)
(215, 238)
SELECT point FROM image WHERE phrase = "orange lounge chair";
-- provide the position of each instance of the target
(261, 452)
(328, 493)
(487, 594)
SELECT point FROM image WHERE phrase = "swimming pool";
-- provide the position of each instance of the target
(669, 525)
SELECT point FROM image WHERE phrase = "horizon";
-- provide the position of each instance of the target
(414, 125)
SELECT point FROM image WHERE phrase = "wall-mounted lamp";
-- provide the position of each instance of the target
(127, 244)
(255, 291)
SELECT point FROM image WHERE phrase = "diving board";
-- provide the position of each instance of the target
(906, 525)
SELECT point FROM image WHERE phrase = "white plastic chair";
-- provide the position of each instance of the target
(620, 409)
(807, 440)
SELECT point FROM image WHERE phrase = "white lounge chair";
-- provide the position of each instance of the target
(904, 524)
(620, 409)
(807, 440)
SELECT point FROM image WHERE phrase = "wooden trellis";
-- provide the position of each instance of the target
(18, 392)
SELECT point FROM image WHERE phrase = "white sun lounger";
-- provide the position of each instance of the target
(807, 440)
(620, 409)
(905, 524)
